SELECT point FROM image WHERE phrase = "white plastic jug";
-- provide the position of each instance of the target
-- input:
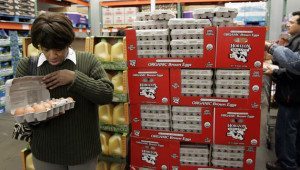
(102, 50)
(117, 51)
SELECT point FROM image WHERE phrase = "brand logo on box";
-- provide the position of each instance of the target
(236, 131)
(239, 52)
(149, 156)
(148, 90)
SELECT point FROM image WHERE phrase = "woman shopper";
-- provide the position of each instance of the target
(70, 141)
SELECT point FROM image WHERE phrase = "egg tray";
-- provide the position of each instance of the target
(154, 108)
(228, 148)
(150, 25)
(193, 159)
(56, 110)
(153, 53)
(228, 156)
(203, 13)
(153, 45)
(192, 53)
(187, 44)
(152, 35)
(186, 34)
(181, 118)
(155, 116)
(222, 22)
(188, 23)
(232, 93)
(226, 163)
(196, 92)
(232, 84)
(186, 109)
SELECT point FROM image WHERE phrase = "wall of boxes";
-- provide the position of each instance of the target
(119, 16)
(194, 91)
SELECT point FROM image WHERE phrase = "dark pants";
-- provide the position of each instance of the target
(287, 137)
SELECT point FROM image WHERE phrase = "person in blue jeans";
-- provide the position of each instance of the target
(287, 96)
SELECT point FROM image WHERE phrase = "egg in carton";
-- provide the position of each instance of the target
(187, 44)
(188, 23)
(153, 45)
(226, 12)
(153, 53)
(203, 13)
(232, 84)
(222, 22)
(146, 35)
(228, 156)
(187, 34)
(232, 74)
(228, 148)
(162, 15)
(143, 16)
(192, 53)
(227, 164)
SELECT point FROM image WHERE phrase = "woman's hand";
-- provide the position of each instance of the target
(59, 78)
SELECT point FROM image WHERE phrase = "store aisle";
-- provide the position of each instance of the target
(10, 149)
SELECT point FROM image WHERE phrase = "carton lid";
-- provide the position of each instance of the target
(27, 90)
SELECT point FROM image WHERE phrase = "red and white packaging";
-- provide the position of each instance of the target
(240, 47)
(207, 60)
(176, 130)
(149, 86)
(237, 126)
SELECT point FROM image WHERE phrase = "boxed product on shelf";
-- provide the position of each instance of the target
(232, 88)
(182, 123)
(237, 126)
(114, 144)
(149, 86)
(240, 47)
(167, 154)
(205, 58)
(29, 100)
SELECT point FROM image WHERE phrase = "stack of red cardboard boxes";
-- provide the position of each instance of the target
(199, 111)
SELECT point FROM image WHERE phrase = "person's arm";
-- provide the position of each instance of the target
(286, 58)
(22, 67)
(96, 87)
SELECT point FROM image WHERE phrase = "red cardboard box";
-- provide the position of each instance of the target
(149, 86)
(240, 47)
(237, 126)
(206, 61)
(252, 101)
(204, 135)
(165, 154)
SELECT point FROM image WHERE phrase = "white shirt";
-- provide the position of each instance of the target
(71, 56)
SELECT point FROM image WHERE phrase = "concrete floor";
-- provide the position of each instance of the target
(10, 149)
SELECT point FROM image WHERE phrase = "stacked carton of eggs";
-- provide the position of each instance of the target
(220, 16)
(186, 119)
(187, 36)
(152, 33)
(196, 82)
(232, 83)
(192, 154)
(43, 110)
(155, 117)
(227, 156)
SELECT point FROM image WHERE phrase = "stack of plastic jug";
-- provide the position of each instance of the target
(105, 52)
(117, 81)
(113, 115)
(111, 144)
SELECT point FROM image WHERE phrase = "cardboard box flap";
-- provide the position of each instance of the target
(26, 91)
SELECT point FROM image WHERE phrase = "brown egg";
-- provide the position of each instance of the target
(39, 108)
(29, 109)
(19, 111)
(46, 105)
(70, 99)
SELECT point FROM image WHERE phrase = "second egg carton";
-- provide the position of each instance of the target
(188, 23)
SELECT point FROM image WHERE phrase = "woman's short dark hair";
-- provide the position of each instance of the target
(297, 13)
(52, 31)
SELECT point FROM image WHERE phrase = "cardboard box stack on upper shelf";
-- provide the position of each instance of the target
(194, 91)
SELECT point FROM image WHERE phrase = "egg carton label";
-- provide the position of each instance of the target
(236, 131)
(149, 156)
(227, 163)
(186, 118)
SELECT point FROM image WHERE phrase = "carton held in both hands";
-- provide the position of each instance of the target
(29, 100)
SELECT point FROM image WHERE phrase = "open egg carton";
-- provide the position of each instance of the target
(42, 111)
(187, 34)
(194, 154)
(188, 23)
(150, 24)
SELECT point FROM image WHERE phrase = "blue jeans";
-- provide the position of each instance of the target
(287, 137)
